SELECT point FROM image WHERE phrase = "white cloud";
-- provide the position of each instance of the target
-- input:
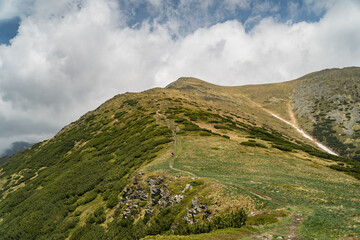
(8, 9)
(70, 58)
(293, 9)
(319, 6)
(242, 4)
(271, 52)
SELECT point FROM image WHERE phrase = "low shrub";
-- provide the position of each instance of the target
(234, 219)
(282, 147)
(261, 219)
(253, 144)
(131, 102)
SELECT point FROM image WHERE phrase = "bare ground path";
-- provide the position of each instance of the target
(256, 193)
(293, 124)
(173, 154)
(293, 228)
(171, 165)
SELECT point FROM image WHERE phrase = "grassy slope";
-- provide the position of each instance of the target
(326, 105)
(261, 180)
(330, 197)
(87, 164)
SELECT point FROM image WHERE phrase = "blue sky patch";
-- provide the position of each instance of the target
(8, 29)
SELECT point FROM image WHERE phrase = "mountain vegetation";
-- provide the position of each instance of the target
(14, 148)
(325, 104)
(195, 161)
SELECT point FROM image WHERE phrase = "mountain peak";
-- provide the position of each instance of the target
(188, 83)
(209, 149)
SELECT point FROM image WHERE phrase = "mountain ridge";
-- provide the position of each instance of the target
(170, 162)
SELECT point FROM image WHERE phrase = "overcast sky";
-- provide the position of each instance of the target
(62, 58)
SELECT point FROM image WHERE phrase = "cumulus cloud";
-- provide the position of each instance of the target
(270, 52)
(72, 55)
(8, 9)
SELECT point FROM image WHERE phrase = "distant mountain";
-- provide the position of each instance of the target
(251, 162)
(14, 148)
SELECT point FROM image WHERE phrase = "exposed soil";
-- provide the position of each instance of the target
(173, 154)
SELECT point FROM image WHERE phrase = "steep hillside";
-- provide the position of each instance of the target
(193, 160)
(326, 104)
(16, 147)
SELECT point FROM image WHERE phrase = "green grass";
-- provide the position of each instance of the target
(226, 234)
(331, 195)
(86, 166)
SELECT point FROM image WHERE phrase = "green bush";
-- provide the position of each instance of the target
(282, 147)
(252, 143)
(205, 134)
(131, 102)
(221, 127)
(112, 201)
(261, 219)
(119, 114)
(99, 215)
(88, 197)
(234, 219)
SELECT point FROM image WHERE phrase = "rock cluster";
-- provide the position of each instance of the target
(197, 209)
(154, 194)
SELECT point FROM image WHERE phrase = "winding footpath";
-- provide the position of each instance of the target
(171, 165)
(173, 130)
(296, 220)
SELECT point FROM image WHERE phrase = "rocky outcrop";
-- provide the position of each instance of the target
(145, 196)
(197, 210)
(150, 193)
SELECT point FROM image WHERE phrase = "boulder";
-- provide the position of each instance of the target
(187, 187)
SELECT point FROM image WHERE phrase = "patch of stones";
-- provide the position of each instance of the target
(155, 193)
(152, 194)
(197, 210)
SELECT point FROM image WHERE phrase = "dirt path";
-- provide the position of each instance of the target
(297, 219)
(171, 166)
(173, 154)
(293, 228)
(292, 115)
(293, 124)
(255, 193)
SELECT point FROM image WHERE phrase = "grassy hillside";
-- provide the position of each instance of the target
(191, 161)
(325, 103)
(328, 105)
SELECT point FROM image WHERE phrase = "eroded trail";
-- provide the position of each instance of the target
(302, 132)
(173, 154)
(171, 166)
(255, 193)
(294, 125)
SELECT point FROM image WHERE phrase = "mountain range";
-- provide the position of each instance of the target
(16, 147)
(196, 160)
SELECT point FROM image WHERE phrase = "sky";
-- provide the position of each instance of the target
(62, 58)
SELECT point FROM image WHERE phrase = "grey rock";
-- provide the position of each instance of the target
(177, 199)
(159, 180)
(148, 212)
(126, 190)
(187, 187)
(163, 191)
(154, 192)
(126, 212)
